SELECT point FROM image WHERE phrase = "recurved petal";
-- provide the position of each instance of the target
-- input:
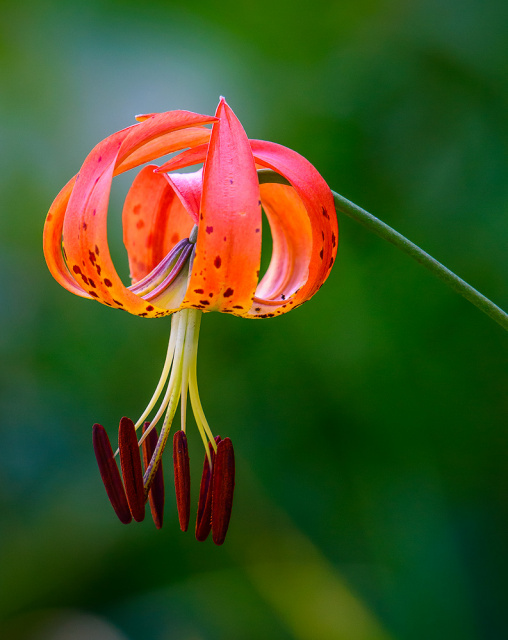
(153, 220)
(291, 251)
(317, 199)
(164, 144)
(52, 242)
(85, 225)
(228, 249)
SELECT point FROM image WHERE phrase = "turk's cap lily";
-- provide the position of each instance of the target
(223, 200)
(193, 242)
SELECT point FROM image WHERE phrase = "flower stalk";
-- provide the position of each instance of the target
(387, 233)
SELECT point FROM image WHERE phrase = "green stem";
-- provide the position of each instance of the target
(387, 233)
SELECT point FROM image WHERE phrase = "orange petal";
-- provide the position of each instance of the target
(291, 251)
(153, 221)
(316, 197)
(228, 249)
(167, 143)
(52, 242)
(85, 225)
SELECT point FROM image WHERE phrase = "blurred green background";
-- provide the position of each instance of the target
(370, 425)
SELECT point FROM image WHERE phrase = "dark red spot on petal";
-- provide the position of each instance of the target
(257, 309)
(92, 293)
(237, 306)
(108, 282)
(96, 249)
(110, 474)
(334, 240)
(76, 269)
(223, 484)
(91, 256)
(156, 493)
(92, 283)
(258, 230)
(198, 290)
(132, 472)
(325, 213)
(140, 224)
(321, 254)
(205, 302)
(331, 263)
(85, 226)
(228, 293)
(120, 304)
(182, 478)
(217, 262)
(209, 229)
(150, 308)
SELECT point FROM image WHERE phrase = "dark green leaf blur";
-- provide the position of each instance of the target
(370, 425)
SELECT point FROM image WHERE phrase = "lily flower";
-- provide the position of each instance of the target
(194, 245)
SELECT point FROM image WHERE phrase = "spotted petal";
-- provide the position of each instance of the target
(85, 225)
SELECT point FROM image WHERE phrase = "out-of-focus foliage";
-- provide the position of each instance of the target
(370, 425)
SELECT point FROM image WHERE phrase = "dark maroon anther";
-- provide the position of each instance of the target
(130, 461)
(156, 493)
(110, 474)
(182, 478)
(204, 517)
(223, 484)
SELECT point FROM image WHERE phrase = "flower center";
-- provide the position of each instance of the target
(167, 283)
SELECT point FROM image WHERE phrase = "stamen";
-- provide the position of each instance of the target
(171, 398)
(132, 472)
(182, 478)
(110, 474)
(156, 493)
(223, 484)
(163, 378)
(199, 414)
(204, 517)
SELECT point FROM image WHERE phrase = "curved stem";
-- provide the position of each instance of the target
(387, 233)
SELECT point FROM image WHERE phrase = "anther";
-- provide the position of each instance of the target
(132, 472)
(223, 484)
(110, 474)
(182, 478)
(204, 517)
(156, 492)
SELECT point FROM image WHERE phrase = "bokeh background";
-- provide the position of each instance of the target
(370, 425)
